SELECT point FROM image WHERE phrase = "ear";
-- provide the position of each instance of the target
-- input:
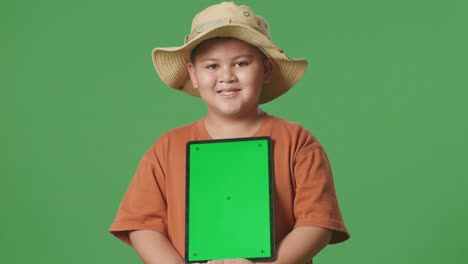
(191, 71)
(267, 70)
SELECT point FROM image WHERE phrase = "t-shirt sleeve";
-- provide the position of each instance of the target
(144, 204)
(315, 202)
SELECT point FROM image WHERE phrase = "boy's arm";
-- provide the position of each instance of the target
(301, 244)
(298, 247)
(154, 248)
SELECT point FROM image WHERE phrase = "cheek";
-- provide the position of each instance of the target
(253, 78)
(206, 80)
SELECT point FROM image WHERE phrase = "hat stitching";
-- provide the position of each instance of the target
(213, 24)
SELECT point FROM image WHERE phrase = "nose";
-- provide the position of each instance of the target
(227, 74)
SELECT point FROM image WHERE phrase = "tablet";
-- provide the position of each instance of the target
(229, 200)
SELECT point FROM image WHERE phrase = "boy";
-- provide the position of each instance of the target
(229, 61)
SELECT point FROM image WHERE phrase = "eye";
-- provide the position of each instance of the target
(241, 63)
(212, 66)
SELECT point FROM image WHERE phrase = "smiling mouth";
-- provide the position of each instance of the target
(228, 92)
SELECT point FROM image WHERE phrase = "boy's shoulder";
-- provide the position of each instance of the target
(278, 121)
(174, 139)
(288, 125)
(292, 131)
(189, 131)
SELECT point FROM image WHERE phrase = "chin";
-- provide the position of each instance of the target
(230, 112)
(233, 109)
(236, 112)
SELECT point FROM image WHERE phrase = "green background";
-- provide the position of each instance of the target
(385, 93)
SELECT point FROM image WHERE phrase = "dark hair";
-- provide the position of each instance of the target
(194, 52)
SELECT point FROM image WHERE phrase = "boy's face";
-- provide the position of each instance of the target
(229, 74)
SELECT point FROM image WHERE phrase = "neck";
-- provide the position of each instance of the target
(234, 126)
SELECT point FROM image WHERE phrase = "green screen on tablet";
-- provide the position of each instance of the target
(229, 192)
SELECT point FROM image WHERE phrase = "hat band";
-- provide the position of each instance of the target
(212, 24)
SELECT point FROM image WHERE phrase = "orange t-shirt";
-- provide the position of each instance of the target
(304, 190)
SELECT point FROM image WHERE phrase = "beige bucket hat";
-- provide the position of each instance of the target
(228, 20)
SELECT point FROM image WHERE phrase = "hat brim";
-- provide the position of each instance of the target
(171, 63)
